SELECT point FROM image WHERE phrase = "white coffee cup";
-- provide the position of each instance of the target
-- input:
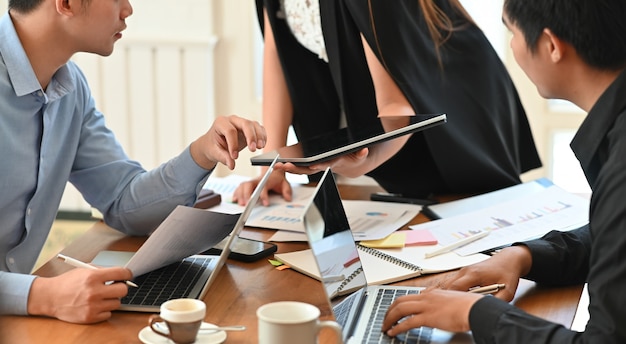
(288, 322)
(183, 318)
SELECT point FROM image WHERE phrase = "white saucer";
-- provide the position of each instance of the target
(148, 337)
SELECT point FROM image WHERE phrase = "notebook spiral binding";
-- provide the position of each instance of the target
(389, 258)
(348, 279)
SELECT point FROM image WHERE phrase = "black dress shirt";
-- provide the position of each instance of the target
(595, 253)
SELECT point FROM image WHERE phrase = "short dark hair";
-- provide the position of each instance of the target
(24, 6)
(595, 28)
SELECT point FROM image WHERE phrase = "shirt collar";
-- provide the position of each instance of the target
(599, 121)
(21, 72)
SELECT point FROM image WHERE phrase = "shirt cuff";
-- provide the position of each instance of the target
(14, 291)
(190, 164)
(187, 169)
(484, 317)
(541, 251)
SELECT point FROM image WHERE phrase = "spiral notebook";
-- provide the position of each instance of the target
(381, 266)
(338, 261)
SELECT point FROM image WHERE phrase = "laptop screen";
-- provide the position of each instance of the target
(331, 240)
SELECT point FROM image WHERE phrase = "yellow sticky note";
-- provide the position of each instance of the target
(275, 262)
(393, 240)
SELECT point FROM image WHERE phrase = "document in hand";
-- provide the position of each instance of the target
(185, 232)
(520, 218)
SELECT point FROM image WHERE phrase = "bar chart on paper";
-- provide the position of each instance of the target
(516, 220)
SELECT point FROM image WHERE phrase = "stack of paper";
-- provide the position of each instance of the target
(368, 220)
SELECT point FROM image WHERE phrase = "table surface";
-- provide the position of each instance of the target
(240, 289)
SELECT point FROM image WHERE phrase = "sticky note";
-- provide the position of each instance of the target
(275, 262)
(419, 237)
(393, 240)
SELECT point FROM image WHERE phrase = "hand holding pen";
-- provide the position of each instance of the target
(79, 264)
(84, 295)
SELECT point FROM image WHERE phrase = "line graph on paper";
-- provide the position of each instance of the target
(517, 220)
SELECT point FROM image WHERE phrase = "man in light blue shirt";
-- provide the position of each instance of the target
(51, 132)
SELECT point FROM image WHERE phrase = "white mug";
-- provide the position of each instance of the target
(287, 322)
(183, 318)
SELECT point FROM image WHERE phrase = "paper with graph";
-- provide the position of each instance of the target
(520, 219)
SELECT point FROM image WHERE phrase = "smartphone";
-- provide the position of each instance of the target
(245, 250)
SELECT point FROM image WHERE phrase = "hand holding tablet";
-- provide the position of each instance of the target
(331, 145)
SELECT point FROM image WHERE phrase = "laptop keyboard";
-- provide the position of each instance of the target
(170, 282)
(374, 333)
(342, 310)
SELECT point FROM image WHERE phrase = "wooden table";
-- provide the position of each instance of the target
(239, 291)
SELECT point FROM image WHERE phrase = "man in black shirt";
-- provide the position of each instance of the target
(574, 50)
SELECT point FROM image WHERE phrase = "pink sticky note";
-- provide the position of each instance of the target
(419, 237)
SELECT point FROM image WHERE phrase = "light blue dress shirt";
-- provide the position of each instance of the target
(52, 136)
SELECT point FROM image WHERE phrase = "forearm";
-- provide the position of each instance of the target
(39, 302)
(140, 205)
(394, 112)
(277, 107)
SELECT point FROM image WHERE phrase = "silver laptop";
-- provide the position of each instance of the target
(189, 278)
(361, 312)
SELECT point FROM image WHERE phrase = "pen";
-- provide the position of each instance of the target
(333, 278)
(488, 289)
(398, 198)
(77, 263)
(456, 244)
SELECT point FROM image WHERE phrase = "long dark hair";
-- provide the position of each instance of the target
(440, 25)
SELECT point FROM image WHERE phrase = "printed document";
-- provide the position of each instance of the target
(520, 219)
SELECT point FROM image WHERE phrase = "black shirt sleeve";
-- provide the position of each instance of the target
(564, 257)
(495, 321)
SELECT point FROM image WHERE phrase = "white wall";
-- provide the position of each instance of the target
(143, 87)
(229, 79)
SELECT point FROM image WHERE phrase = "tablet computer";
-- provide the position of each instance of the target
(343, 141)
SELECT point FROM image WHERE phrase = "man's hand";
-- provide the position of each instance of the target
(225, 139)
(506, 266)
(80, 295)
(442, 309)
